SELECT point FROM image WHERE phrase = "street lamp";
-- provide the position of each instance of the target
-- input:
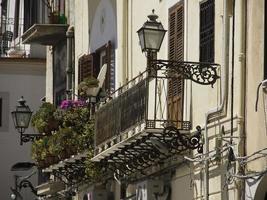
(151, 34)
(21, 118)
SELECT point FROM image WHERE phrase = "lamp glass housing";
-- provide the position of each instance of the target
(22, 115)
(151, 36)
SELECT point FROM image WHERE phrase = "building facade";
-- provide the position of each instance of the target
(22, 73)
(181, 126)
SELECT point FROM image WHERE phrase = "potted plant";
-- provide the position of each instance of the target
(87, 87)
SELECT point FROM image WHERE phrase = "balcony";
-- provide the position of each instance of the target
(134, 130)
(45, 34)
(10, 45)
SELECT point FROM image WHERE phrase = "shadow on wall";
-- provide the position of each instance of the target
(104, 25)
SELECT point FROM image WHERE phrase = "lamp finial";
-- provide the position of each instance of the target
(153, 17)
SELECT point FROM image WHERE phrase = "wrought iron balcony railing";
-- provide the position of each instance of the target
(11, 31)
(143, 100)
(137, 128)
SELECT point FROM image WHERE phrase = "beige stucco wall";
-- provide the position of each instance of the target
(255, 125)
(18, 77)
(81, 33)
(256, 138)
(198, 99)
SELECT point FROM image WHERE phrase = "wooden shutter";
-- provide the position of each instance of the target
(86, 68)
(206, 46)
(176, 52)
(109, 59)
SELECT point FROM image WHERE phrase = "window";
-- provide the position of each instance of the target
(30, 13)
(90, 65)
(4, 111)
(1, 111)
(206, 46)
(176, 52)
(59, 71)
(16, 19)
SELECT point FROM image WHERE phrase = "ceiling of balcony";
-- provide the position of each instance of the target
(45, 34)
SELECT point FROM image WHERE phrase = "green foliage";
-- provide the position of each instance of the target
(76, 118)
(93, 169)
(74, 134)
(39, 149)
(43, 120)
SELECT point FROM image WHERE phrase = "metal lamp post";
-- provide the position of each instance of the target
(151, 35)
(21, 118)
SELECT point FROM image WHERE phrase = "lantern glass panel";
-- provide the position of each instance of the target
(153, 38)
(23, 119)
(142, 38)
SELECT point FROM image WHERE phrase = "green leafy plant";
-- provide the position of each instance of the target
(74, 133)
(39, 151)
(93, 169)
(43, 120)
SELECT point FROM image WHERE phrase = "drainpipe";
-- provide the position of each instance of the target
(69, 69)
(241, 66)
(220, 111)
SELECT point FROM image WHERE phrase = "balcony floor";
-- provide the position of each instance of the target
(45, 34)
(118, 142)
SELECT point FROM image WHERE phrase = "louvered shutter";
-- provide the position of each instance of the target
(109, 59)
(86, 68)
(176, 52)
(206, 47)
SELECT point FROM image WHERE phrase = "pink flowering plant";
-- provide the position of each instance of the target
(74, 132)
(66, 104)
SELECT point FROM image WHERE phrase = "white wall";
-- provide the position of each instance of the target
(18, 78)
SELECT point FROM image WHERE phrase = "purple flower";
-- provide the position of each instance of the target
(66, 104)
(78, 103)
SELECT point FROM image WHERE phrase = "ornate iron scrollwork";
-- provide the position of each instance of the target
(27, 183)
(29, 137)
(151, 149)
(183, 140)
(201, 73)
(71, 173)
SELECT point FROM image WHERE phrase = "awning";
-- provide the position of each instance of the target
(45, 34)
